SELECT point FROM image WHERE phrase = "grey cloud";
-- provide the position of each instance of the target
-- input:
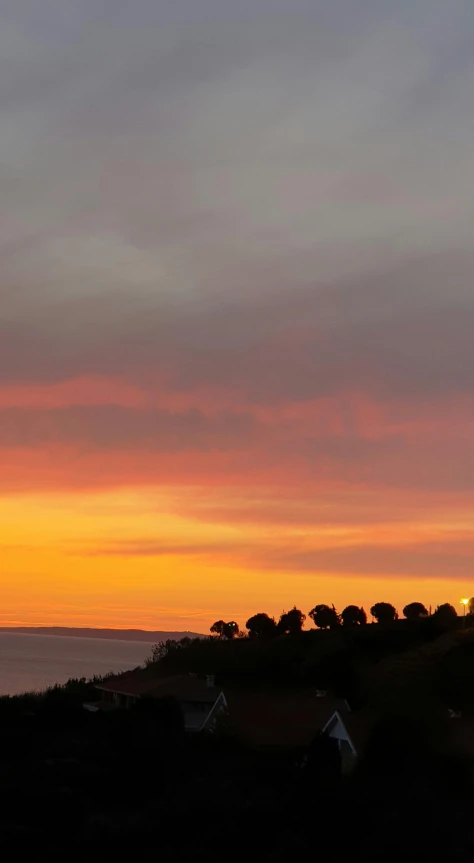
(399, 333)
(186, 187)
(215, 132)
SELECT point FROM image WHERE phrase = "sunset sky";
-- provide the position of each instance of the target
(236, 308)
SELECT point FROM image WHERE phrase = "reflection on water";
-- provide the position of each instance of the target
(30, 662)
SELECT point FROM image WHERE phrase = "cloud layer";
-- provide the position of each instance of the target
(236, 258)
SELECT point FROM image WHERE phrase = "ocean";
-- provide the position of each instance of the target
(34, 662)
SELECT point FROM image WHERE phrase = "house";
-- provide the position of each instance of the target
(200, 699)
(351, 731)
(455, 732)
(284, 719)
(278, 718)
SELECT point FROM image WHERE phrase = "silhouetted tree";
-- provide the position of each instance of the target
(231, 629)
(471, 605)
(322, 764)
(445, 614)
(325, 616)
(165, 649)
(404, 744)
(225, 630)
(261, 626)
(384, 612)
(291, 622)
(415, 611)
(353, 616)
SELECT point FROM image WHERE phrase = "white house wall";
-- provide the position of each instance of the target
(336, 729)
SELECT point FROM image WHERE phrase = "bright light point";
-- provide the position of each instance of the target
(464, 602)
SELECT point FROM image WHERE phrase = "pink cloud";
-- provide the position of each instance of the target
(85, 391)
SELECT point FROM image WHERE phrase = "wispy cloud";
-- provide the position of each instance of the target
(446, 559)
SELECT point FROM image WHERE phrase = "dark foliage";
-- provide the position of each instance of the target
(165, 713)
(456, 673)
(384, 612)
(325, 616)
(415, 611)
(171, 648)
(446, 615)
(227, 630)
(291, 622)
(322, 764)
(353, 616)
(261, 626)
(100, 786)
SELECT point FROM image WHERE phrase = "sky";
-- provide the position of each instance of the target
(236, 308)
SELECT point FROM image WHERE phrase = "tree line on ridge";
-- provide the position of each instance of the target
(324, 617)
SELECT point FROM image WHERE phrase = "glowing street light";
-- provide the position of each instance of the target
(465, 603)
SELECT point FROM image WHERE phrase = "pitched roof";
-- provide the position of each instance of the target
(278, 718)
(268, 718)
(358, 725)
(139, 683)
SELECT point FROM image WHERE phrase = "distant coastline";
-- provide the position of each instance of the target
(152, 636)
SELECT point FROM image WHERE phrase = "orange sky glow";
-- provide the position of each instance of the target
(236, 309)
(142, 539)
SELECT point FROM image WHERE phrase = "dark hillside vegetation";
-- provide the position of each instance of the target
(122, 783)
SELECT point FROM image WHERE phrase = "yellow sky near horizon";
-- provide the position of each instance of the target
(121, 560)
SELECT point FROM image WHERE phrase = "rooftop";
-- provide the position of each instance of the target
(140, 682)
(274, 718)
